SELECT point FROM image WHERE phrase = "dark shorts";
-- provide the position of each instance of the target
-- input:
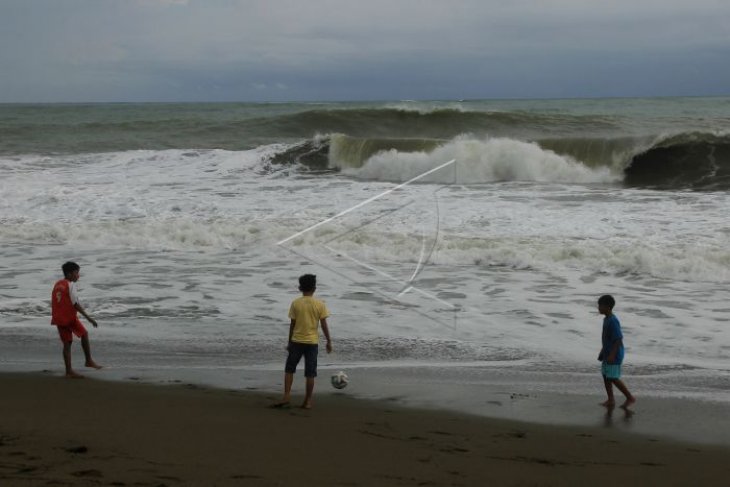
(309, 351)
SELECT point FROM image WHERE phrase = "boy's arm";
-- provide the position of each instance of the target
(81, 310)
(614, 351)
(291, 332)
(617, 337)
(326, 331)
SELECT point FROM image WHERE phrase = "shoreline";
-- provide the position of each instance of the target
(491, 391)
(91, 432)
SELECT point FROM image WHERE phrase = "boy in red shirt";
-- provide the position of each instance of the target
(64, 305)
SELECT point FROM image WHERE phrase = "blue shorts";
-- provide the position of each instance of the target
(309, 351)
(611, 371)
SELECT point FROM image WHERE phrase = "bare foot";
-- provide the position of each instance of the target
(73, 375)
(280, 405)
(631, 400)
(608, 404)
(93, 365)
(306, 405)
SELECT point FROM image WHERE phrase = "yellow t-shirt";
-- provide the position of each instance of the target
(307, 311)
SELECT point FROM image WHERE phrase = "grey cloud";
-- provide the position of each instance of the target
(79, 50)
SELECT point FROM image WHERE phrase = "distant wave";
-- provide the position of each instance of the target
(151, 131)
(435, 123)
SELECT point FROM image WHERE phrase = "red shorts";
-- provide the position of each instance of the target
(67, 332)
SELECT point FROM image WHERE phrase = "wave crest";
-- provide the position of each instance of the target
(480, 161)
(689, 160)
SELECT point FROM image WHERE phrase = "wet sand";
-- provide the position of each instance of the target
(56, 431)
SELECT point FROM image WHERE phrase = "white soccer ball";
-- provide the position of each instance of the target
(339, 380)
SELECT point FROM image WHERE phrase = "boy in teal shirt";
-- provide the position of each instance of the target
(612, 353)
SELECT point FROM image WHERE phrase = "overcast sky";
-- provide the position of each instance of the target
(280, 50)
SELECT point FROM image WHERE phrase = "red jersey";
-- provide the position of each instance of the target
(63, 311)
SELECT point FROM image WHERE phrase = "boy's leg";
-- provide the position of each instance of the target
(87, 352)
(292, 360)
(630, 399)
(307, 404)
(67, 362)
(608, 384)
(310, 372)
(66, 335)
(288, 381)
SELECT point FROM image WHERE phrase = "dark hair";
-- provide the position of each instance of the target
(607, 300)
(69, 267)
(307, 283)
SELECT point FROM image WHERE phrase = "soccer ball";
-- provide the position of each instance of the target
(339, 380)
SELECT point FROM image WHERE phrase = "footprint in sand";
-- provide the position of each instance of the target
(443, 433)
(88, 473)
(77, 449)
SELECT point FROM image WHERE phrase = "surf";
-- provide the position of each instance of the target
(691, 160)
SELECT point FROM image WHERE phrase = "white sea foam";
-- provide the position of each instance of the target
(169, 239)
(425, 107)
(220, 200)
(482, 161)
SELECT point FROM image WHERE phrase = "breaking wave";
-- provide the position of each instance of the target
(689, 160)
(682, 161)
(480, 161)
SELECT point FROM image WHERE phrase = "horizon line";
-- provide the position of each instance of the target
(373, 100)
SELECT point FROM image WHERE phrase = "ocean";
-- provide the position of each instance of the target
(468, 239)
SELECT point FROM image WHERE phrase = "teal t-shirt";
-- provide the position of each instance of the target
(611, 334)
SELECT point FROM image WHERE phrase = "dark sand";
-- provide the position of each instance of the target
(56, 431)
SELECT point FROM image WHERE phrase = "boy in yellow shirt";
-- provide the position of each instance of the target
(306, 313)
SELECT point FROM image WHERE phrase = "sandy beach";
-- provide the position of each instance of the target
(56, 431)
